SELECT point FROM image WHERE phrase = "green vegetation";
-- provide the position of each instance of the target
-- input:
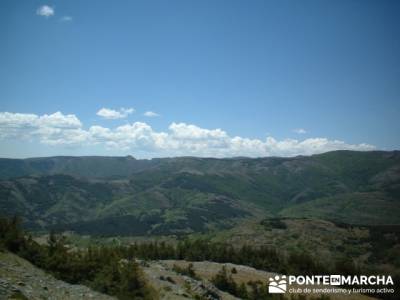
(346, 203)
(178, 196)
(373, 208)
(56, 252)
(253, 290)
(18, 296)
(113, 270)
(102, 268)
(225, 282)
(273, 223)
(188, 271)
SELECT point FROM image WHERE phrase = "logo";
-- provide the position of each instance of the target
(317, 284)
(277, 284)
(335, 280)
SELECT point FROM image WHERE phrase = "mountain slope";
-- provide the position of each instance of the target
(19, 279)
(373, 208)
(122, 195)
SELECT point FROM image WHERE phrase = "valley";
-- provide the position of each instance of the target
(331, 213)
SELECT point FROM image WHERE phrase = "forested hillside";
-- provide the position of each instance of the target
(125, 196)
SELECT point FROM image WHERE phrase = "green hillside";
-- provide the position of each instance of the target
(122, 195)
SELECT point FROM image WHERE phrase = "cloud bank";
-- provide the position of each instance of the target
(180, 138)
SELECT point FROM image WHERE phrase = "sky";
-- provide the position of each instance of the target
(201, 78)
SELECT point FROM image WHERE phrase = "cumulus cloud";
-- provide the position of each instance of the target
(59, 120)
(151, 114)
(193, 132)
(179, 139)
(45, 11)
(108, 113)
(55, 128)
(300, 131)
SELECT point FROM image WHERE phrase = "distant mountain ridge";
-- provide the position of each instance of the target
(108, 166)
(84, 166)
(96, 166)
(123, 195)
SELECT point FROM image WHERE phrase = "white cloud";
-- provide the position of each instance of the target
(108, 113)
(180, 138)
(58, 120)
(66, 19)
(56, 128)
(185, 131)
(151, 114)
(45, 11)
(300, 131)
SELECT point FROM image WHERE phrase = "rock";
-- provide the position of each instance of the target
(19, 276)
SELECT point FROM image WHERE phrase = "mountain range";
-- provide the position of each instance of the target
(128, 196)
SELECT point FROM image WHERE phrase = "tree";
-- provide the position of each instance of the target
(224, 282)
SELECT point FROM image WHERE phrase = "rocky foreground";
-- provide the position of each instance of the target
(172, 285)
(19, 279)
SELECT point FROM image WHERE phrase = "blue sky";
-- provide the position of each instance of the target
(226, 78)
